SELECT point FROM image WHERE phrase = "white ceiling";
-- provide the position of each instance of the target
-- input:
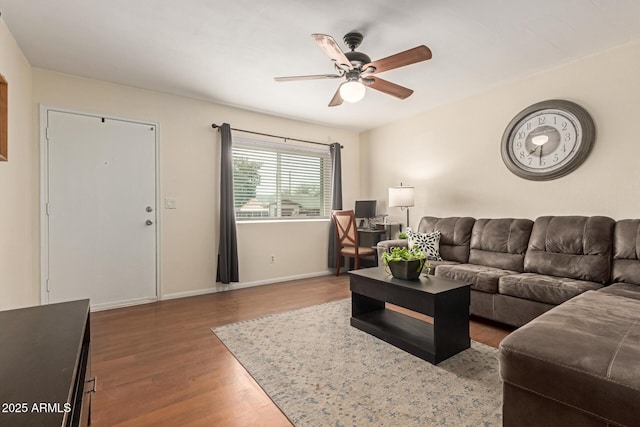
(229, 51)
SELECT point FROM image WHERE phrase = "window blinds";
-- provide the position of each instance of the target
(280, 180)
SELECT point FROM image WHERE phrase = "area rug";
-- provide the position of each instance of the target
(321, 371)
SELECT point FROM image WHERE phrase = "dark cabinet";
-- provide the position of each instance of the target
(45, 365)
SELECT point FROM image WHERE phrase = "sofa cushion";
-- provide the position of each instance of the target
(542, 288)
(575, 247)
(428, 243)
(626, 251)
(628, 290)
(500, 243)
(455, 235)
(434, 265)
(583, 353)
(482, 278)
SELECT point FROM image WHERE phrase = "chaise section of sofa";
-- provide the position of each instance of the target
(576, 365)
(579, 363)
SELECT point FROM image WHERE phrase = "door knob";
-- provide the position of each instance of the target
(149, 209)
(149, 222)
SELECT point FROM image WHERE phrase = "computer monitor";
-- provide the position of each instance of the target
(365, 209)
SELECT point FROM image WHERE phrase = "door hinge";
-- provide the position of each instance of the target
(47, 285)
(46, 133)
(48, 209)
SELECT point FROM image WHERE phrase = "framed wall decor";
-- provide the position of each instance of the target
(548, 140)
(4, 118)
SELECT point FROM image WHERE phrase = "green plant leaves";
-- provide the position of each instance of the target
(402, 254)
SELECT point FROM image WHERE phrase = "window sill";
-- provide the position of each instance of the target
(280, 221)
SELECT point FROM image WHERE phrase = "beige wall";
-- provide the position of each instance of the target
(19, 251)
(452, 154)
(189, 162)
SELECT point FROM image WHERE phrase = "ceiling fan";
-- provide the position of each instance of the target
(358, 69)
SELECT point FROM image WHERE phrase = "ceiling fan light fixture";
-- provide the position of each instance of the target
(352, 91)
(358, 69)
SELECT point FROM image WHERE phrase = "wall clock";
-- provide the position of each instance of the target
(547, 140)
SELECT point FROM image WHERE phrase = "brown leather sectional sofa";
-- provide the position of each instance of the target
(519, 268)
(573, 285)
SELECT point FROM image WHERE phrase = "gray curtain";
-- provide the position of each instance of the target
(228, 246)
(336, 200)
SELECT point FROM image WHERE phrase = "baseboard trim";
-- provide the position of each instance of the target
(121, 304)
(220, 287)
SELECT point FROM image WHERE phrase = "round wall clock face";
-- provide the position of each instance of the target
(547, 140)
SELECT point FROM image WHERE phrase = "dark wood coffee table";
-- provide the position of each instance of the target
(445, 300)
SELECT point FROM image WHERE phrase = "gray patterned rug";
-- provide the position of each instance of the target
(320, 371)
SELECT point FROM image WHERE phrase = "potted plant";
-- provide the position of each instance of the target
(404, 263)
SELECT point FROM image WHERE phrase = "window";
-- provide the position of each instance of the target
(276, 180)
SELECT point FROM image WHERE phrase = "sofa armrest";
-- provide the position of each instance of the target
(386, 245)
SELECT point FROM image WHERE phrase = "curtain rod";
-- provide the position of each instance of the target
(215, 126)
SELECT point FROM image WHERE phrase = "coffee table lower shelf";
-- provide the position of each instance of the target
(405, 332)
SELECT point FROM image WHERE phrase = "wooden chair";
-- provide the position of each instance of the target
(347, 239)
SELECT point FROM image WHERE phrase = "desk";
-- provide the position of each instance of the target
(370, 237)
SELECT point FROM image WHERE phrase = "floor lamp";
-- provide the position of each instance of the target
(401, 197)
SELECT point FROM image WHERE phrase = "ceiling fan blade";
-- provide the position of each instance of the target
(408, 57)
(337, 99)
(333, 51)
(388, 87)
(311, 77)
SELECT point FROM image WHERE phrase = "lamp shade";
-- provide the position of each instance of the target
(352, 91)
(401, 197)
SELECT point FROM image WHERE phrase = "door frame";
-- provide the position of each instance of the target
(44, 198)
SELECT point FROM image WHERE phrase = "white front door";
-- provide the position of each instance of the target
(100, 210)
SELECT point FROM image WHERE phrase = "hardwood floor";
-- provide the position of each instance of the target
(159, 364)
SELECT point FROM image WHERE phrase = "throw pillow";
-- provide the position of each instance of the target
(428, 243)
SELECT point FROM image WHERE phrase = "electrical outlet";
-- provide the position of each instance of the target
(272, 258)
